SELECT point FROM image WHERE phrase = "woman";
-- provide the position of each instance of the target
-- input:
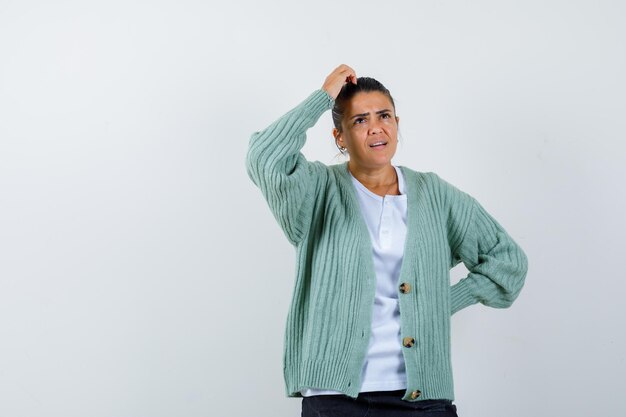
(368, 330)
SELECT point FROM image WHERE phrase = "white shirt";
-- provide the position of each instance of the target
(385, 217)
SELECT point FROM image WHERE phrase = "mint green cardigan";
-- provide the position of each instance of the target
(328, 324)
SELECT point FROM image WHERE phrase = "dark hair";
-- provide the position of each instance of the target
(349, 90)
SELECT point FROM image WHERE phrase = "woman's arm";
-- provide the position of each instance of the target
(497, 265)
(276, 165)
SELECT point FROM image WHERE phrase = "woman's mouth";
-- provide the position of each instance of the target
(379, 144)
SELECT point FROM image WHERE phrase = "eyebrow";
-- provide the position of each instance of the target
(367, 114)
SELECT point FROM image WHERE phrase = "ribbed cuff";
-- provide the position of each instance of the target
(317, 103)
(461, 296)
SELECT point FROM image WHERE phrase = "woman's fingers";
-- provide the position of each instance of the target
(335, 81)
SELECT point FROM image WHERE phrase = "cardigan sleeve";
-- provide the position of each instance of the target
(497, 265)
(276, 165)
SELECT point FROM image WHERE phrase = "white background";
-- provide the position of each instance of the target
(141, 272)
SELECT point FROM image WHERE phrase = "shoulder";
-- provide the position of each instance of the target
(436, 187)
(426, 179)
(413, 176)
(446, 186)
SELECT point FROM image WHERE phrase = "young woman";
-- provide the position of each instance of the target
(368, 330)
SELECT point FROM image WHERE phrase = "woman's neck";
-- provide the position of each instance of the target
(381, 181)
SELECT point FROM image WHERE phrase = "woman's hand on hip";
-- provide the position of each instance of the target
(338, 78)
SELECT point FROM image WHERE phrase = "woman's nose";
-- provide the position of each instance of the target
(375, 128)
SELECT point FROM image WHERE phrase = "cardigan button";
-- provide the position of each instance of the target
(416, 394)
(408, 342)
(405, 288)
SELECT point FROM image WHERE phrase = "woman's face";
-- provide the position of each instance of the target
(369, 130)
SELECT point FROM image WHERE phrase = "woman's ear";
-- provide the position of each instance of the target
(338, 138)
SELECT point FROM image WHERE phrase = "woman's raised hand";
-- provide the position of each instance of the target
(341, 75)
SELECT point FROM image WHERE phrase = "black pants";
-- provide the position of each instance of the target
(375, 404)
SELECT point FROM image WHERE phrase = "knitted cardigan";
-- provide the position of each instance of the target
(328, 324)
